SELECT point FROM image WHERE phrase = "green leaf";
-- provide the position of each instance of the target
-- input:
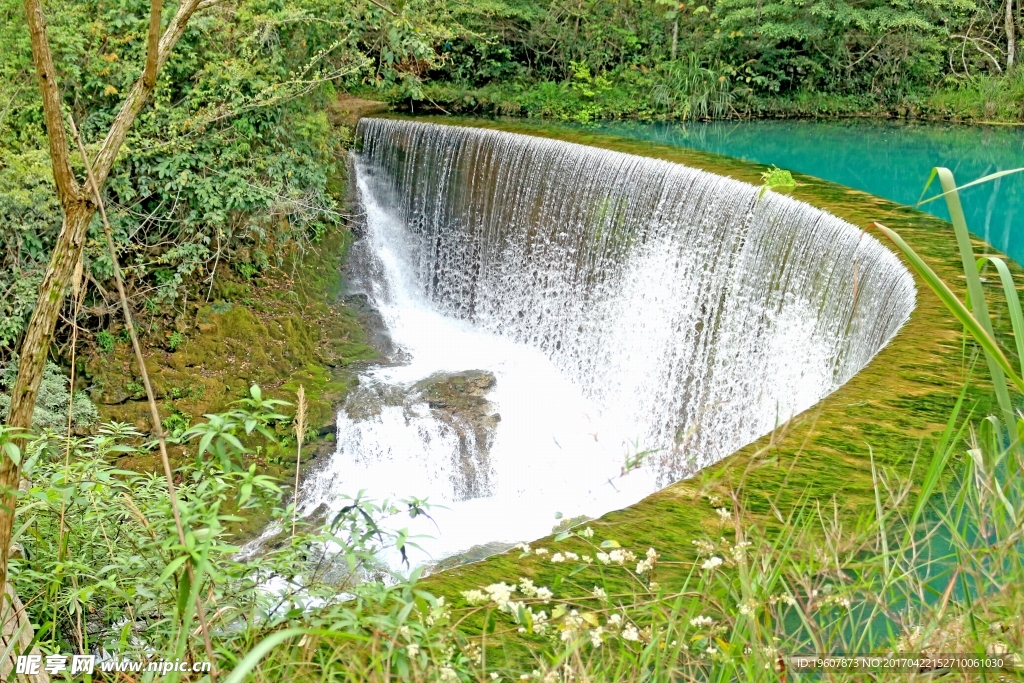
(13, 452)
(955, 306)
(171, 568)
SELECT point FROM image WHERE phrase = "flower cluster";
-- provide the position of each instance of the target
(646, 565)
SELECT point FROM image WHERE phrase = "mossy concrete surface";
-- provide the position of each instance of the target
(893, 410)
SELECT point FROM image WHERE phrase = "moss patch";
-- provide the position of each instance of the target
(286, 328)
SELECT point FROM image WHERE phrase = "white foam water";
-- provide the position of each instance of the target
(623, 304)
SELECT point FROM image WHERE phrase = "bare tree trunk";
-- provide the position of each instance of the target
(1011, 36)
(675, 36)
(66, 254)
(78, 211)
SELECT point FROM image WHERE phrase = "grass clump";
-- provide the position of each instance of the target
(776, 179)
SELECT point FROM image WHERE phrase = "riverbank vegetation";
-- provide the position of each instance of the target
(935, 567)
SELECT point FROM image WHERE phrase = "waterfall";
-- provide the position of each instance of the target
(641, 319)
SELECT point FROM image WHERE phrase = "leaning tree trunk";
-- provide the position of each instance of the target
(66, 254)
(78, 211)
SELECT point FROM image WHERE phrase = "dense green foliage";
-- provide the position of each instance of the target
(231, 164)
(662, 58)
(51, 410)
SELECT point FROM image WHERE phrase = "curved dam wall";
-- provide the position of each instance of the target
(706, 313)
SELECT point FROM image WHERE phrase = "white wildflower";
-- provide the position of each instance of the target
(572, 556)
(630, 633)
(587, 533)
(599, 592)
(701, 621)
(413, 649)
(603, 558)
(644, 566)
(558, 557)
(544, 593)
(540, 622)
(474, 597)
(540, 551)
(527, 588)
(724, 514)
(586, 559)
(736, 552)
(494, 676)
(703, 547)
(712, 563)
(615, 620)
(619, 556)
(715, 501)
(501, 594)
(595, 636)
(748, 608)
(525, 547)
(447, 675)
(654, 585)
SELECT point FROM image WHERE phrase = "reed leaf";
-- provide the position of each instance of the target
(992, 176)
(1012, 302)
(955, 306)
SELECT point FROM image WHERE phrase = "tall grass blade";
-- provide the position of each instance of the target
(943, 452)
(993, 176)
(956, 307)
(979, 307)
(1012, 302)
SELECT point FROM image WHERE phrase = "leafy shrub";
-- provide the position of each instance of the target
(176, 424)
(51, 410)
(105, 341)
(174, 340)
(776, 179)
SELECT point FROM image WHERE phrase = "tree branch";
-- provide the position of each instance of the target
(139, 93)
(153, 44)
(67, 187)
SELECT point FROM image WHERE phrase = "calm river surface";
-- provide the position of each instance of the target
(887, 159)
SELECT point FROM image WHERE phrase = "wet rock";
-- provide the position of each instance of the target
(377, 334)
(459, 401)
(462, 395)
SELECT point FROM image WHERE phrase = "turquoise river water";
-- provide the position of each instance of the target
(887, 159)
